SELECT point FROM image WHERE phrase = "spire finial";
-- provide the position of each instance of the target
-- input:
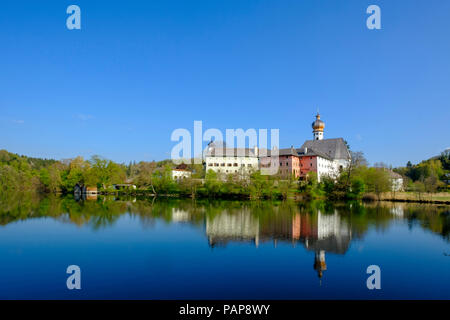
(318, 127)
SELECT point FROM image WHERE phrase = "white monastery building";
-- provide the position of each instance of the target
(326, 157)
(231, 160)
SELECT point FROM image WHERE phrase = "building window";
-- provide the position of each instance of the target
(229, 164)
(222, 164)
(235, 164)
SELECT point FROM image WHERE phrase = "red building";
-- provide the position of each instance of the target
(326, 157)
(288, 162)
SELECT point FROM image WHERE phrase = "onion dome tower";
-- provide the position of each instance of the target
(318, 127)
(319, 263)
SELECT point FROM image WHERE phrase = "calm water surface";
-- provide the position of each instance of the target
(180, 249)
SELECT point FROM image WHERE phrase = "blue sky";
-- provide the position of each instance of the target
(137, 70)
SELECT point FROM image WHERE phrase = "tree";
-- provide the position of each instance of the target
(55, 178)
(98, 171)
(145, 173)
(257, 185)
(212, 183)
(189, 186)
(285, 186)
(432, 183)
(104, 172)
(74, 175)
(346, 143)
(376, 180)
(162, 180)
(10, 179)
(311, 188)
(380, 181)
(44, 177)
(357, 189)
(116, 173)
(445, 159)
(358, 159)
(419, 188)
(197, 169)
(381, 165)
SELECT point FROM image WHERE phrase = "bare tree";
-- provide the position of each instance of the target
(381, 165)
(145, 174)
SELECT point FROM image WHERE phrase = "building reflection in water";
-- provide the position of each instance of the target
(84, 196)
(236, 226)
(318, 232)
(330, 234)
(397, 211)
(179, 215)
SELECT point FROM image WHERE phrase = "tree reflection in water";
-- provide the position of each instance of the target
(320, 227)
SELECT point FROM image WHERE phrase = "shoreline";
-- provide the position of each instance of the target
(410, 197)
(398, 197)
(402, 197)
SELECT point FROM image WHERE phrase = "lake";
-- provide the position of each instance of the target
(182, 249)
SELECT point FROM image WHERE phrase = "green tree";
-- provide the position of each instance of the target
(419, 189)
(55, 178)
(357, 189)
(212, 183)
(378, 181)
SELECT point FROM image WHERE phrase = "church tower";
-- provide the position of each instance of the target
(319, 262)
(318, 127)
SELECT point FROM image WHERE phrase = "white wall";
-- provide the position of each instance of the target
(397, 184)
(242, 163)
(180, 174)
(326, 167)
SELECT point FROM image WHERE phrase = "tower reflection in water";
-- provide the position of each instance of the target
(318, 232)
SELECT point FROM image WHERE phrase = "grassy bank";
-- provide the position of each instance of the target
(441, 197)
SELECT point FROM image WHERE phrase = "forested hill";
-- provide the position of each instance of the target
(22, 173)
(434, 172)
(18, 161)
